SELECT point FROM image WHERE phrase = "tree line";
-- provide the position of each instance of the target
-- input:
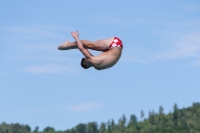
(185, 120)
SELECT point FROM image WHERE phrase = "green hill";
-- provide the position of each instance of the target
(186, 120)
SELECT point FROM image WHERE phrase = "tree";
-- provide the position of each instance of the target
(132, 121)
(36, 129)
(152, 117)
(81, 128)
(122, 123)
(71, 131)
(27, 128)
(175, 107)
(109, 129)
(4, 128)
(92, 127)
(161, 109)
(141, 114)
(49, 129)
(113, 125)
(102, 128)
(15, 128)
(175, 114)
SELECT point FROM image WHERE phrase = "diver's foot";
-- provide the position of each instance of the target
(64, 46)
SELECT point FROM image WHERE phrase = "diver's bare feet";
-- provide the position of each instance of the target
(64, 46)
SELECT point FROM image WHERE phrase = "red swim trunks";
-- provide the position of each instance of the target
(116, 43)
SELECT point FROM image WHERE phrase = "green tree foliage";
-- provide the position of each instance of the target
(36, 129)
(102, 128)
(14, 128)
(186, 120)
(4, 128)
(49, 130)
(161, 109)
(121, 126)
(141, 114)
(81, 128)
(132, 121)
(92, 127)
(113, 125)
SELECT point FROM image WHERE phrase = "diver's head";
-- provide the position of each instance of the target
(85, 63)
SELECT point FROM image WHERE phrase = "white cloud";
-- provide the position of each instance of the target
(51, 69)
(186, 46)
(38, 43)
(52, 31)
(85, 107)
(33, 38)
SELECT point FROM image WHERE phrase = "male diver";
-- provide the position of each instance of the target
(111, 51)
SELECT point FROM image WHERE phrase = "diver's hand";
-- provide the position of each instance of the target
(75, 34)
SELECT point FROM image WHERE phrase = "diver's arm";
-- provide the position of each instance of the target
(85, 52)
(88, 51)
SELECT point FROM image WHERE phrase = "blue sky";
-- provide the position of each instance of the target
(41, 86)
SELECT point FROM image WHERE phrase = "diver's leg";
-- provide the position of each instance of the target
(67, 45)
(72, 45)
(100, 45)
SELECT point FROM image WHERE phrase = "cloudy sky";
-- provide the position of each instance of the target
(41, 86)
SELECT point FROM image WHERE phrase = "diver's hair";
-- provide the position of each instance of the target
(82, 64)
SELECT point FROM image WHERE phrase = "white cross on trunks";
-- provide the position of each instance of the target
(115, 40)
(114, 45)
